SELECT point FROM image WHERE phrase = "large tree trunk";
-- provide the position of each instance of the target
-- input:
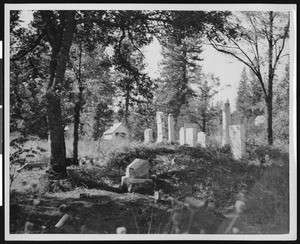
(76, 125)
(269, 98)
(59, 59)
(270, 121)
(77, 110)
(56, 132)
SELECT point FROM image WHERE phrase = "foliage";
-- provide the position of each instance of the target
(28, 114)
(102, 118)
(257, 39)
(141, 117)
(199, 109)
(178, 65)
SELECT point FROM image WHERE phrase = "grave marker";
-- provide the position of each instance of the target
(191, 136)
(138, 169)
(171, 132)
(201, 139)
(226, 123)
(161, 134)
(182, 136)
(137, 177)
(148, 135)
(237, 140)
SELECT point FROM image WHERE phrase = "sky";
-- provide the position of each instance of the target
(226, 68)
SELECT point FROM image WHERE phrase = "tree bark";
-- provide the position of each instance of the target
(126, 114)
(59, 59)
(76, 125)
(270, 82)
(77, 109)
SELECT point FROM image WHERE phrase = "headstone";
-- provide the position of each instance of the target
(201, 139)
(237, 140)
(191, 136)
(148, 135)
(226, 123)
(138, 169)
(161, 134)
(171, 131)
(182, 136)
(137, 177)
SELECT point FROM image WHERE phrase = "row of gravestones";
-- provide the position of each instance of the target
(188, 136)
(137, 173)
(233, 135)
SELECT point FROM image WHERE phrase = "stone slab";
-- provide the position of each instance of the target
(182, 136)
(201, 139)
(191, 136)
(148, 135)
(171, 129)
(226, 121)
(138, 169)
(143, 186)
(237, 140)
(161, 130)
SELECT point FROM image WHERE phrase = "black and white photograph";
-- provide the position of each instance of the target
(150, 122)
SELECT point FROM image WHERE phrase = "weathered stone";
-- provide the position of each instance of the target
(171, 131)
(138, 169)
(161, 133)
(191, 136)
(237, 140)
(148, 135)
(182, 136)
(226, 123)
(143, 186)
(201, 139)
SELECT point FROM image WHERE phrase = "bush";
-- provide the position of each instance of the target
(121, 158)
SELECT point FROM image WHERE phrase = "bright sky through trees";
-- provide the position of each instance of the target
(226, 68)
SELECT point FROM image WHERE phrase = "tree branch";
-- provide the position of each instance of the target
(23, 53)
(250, 65)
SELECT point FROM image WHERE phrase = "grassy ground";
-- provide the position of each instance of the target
(180, 173)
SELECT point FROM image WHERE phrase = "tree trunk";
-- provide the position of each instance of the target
(269, 98)
(203, 124)
(126, 105)
(76, 125)
(57, 70)
(270, 120)
(77, 109)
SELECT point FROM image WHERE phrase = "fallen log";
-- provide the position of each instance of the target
(91, 179)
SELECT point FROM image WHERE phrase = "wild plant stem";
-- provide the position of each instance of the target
(190, 221)
(231, 223)
(149, 229)
(137, 227)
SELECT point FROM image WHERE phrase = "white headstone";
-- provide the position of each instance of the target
(201, 139)
(191, 136)
(138, 169)
(226, 123)
(171, 132)
(237, 140)
(182, 136)
(148, 135)
(137, 177)
(161, 134)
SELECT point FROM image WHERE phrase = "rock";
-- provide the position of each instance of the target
(143, 186)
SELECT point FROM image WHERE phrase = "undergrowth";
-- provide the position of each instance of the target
(210, 175)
